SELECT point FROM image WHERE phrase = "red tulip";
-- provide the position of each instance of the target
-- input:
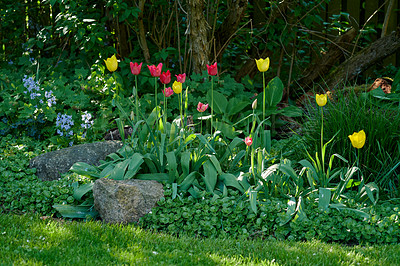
(135, 68)
(212, 70)
(248, 141)
(168, 92)
(155, 71)
(201, 107)
(165, 77)
(181, 78)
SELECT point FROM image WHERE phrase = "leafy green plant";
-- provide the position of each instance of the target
(20, 189)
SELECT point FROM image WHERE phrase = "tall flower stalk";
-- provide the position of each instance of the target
(263, 65)
(212, 71)
(155, 72)
(321, 100)
(177, 87)
(135, 70)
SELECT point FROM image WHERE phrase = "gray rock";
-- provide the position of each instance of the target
(125, 201)
(50, 165)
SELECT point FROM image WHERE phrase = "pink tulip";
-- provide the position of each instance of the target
(212, 70)
(248, 141)
(201, 107)
(181, 78)
(135, 68)
(168, 92)
(155, 71)
(165, 77)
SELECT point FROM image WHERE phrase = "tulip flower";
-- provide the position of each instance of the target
(262, 64)
(201, 107)
(135, 68)
(358, 139)
(111, 63)
(155, 71)
(212, 70)
(168, 92)
(248, 141)
(165, 77)
(177, 87)
(181, 78)
(321, 99)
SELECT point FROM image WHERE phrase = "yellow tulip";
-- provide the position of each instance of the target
(358, 139)
(262, 64)
(111, 63)
(177, 87)
(321, 99)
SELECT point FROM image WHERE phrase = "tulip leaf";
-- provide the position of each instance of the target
(210, 175)
(324, 198)
(274, 92)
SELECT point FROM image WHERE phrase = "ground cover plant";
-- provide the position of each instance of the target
(206, 126)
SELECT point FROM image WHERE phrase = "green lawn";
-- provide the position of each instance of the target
(30, 240)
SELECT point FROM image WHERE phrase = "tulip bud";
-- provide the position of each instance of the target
(254, 104)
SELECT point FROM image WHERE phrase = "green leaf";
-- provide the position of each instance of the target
(274, 92)
(324, 198)
(172, 166)
(118, 173)
(235, 106)
(174, 190)
(185, 162)
(160, 177)
(205, 142)
(85, 169)
(216, 164)
(210, 176)
(79, 212)
(220, 102)
(230, 181)
(82, 190)
(253, 200)
(226, 129)
(229, 151)
(188, 181)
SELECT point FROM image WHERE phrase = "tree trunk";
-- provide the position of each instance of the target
(142, 33)
(321, 67)
(355, 65)
(198, 28)
(227, 30)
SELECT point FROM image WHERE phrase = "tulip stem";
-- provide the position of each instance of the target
(180, 108)
(322, 146)
(252, 165)
(155, 90)
(263, 95)
(212, 102)
(165, 111)
(136, 99)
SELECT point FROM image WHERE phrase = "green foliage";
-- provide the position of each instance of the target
(377, 114)
(20, 189)
(214, 216)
